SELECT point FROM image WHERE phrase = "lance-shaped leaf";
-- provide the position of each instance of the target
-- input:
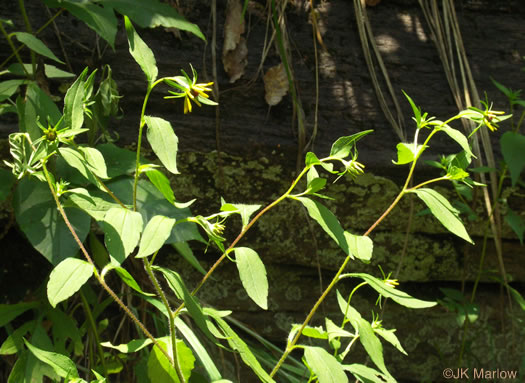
(36, 45)
(253, 275)
(159, 367)
(443, 211)
(327, 220)
(245, 211)
(366, 374)
(459, 137)
(141, 52)
(67, 278)
(122, 228)
(360, 246)
(61, 364)
(388, 291)
(513, 149)
(160, 181)
(74, 103)
(163, 141)
(130, 347)
(156, 233)
(324, 365)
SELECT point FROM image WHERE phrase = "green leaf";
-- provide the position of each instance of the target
(99, 18)
(514, 220)
(160, 368)
(185, 251)
(344, 145)
(118, 161)
(128, 279)
(130, 347)
(141, 52)
(513, 149)
(38, 217)
(371, 344)
(327, 220)
(366, 374)
(390, 337)
(36, 45)
(387, 291)
(415, 109)
(96, 207)
(198, 349)
(163, 141)
(333, 331)
(443, 211)
(459, 137)
(517, 297)
(316, 184)
(361, 247)
(14, 343)
(61, 364)
(75, 158)
(67, 278)
(177, 285)
(253, 275)
(237, 344)
(10, 312)
(7, 180)
(406, 153)
(151, 14)
(9, 87)
(74, 103)
(37, 106)
(245, 211)
(161, 182)
(122, 228)
(348, 311)
(95, 161)
(156, 233)
(324, 365)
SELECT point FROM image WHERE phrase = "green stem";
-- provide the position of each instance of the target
(242, 233)
(93, 326)
(291, 345)
(13, 48)
(101, 280)
(30, 30)
(350, 299)
(15, 52)
(171, 318)
(139, 140)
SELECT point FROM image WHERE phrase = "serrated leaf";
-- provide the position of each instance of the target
(141, 52)
(324, 365)
(122, 228)
(36, 45)
(61, 364)
(361, 247)
(67, 278)
(343, 146)
(160, 368)
(157, 231)
(163, 141)
(38, 217)
(459, 137)
(388, 291)
(327, 220)
(513, 149)
(253, 275)
(443, 211)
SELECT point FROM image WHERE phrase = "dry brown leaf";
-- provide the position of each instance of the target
(234, 50)
(275, 84)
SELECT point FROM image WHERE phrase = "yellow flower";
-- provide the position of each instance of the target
(391, 283)
(190, 90)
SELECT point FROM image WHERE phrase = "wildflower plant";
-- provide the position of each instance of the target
(134, 206)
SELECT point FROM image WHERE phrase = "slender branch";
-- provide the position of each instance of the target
(97, 275)
(93, 326)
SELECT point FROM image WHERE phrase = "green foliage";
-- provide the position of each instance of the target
(61, 188)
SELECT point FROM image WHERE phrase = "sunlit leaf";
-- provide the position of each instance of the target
(160, 368)
(122, 228)
(61, 364)
(324, 365)
(344, 145)
(67, 278)
(156, 232)
(253, 275)
(163, 141)
(36, 45)
(141, 52)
